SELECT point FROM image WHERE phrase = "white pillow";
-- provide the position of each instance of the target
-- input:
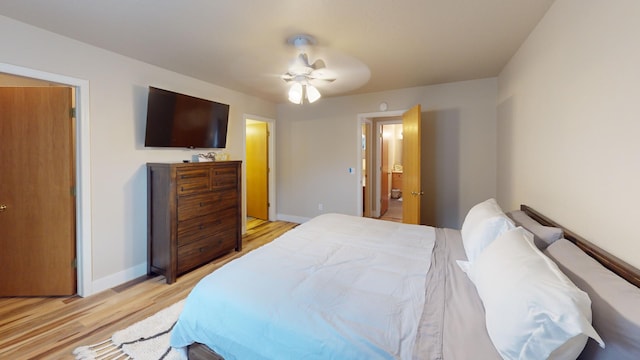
(483, 224)
(479, 212)
(533, 311)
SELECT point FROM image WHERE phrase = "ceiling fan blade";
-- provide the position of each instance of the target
(300, 65)
(318, 64)
(322, 74)
(301, 71)
(303, 60)
(322, 79)
(287, 77)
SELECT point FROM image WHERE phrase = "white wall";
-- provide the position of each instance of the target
(318, 143)
(118, 88)
(569, 122)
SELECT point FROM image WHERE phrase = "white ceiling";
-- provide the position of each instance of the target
(241, 44)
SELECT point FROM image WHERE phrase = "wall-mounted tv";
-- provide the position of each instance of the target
(178, 120)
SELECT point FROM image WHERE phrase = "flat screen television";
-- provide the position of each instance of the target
(178, 120)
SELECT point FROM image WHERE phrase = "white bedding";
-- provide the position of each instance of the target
(336, 287)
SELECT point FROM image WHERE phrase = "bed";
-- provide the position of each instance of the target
(345, 287)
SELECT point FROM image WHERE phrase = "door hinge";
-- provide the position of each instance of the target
(74, 263)
(73, 191)
(72, 112)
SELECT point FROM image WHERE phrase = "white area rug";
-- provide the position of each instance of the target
(144, 340)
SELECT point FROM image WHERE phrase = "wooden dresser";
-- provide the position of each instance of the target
(194, 215)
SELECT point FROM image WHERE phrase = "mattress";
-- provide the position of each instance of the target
(340, 286)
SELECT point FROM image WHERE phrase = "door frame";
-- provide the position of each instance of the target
(361, 119)
(379, 124)
(82, 169)
(367, 139)
(271, 128)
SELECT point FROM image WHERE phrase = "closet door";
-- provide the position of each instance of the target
(37, 201)
(257, 170)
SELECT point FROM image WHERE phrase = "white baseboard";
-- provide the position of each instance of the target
(135, 272)
(118, 278)
(292, 218)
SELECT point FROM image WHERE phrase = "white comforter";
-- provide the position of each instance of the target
(336, 287)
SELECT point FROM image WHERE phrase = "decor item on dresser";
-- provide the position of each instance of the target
(194, 215)
(219, 155)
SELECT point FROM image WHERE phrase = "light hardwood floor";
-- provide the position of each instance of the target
(50, 328)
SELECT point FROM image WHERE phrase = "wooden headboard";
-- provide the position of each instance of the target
(618, 266)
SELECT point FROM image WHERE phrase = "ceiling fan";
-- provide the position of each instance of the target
(302, 74)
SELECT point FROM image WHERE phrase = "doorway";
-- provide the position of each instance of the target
(12, 76)
(82, 165)
(369, 151)
(259, 163)
(408, 170)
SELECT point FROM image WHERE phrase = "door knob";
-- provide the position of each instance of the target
(3, 207)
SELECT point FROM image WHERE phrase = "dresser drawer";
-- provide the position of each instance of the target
(224, 177)
(190, 181)
(198, 205)
(205, 226)
(206, 249)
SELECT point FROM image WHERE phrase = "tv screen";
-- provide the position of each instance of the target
(178, 120)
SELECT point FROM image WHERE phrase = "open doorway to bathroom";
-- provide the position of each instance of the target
(377, 182)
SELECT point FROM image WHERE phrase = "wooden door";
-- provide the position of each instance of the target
(384, 173)
(411, 165)
(257, 165)
(37, 220)
(366, 169)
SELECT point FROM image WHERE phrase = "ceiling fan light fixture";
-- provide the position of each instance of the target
(301, 72)
(299, 91)
(295, 93)
(312, 93)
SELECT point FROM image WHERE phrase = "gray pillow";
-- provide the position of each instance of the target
(543, 236)
(614, 302)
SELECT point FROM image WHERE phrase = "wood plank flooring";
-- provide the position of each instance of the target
(50, 328)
